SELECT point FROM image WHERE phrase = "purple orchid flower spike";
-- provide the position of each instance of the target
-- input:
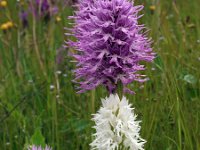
(110, 44)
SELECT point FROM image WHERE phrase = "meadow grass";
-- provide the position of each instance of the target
(168, 104)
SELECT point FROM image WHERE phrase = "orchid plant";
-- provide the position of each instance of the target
(110, 46)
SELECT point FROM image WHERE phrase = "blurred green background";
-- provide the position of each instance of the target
(38, 101)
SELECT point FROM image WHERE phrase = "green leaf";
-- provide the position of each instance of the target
(159, 63)
(38, 139)
(190, 79)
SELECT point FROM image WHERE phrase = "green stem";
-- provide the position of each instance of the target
(119, 90)
(93, 101)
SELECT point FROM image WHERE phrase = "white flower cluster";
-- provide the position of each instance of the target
(116, 126)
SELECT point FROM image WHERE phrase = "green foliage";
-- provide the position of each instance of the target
(38, 139)
(190, 79)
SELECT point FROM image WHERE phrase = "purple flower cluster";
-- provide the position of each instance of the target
(24, 18)
(110, 44)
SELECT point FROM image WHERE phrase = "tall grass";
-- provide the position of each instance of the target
(168, 104)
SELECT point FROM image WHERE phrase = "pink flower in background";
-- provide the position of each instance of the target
(34, 147)
(43, 8)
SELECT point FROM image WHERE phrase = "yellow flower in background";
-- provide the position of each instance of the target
(152, 7)
(3, 3)
(58, 19)
(7, 25)
(10, 24)
(4, 26)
